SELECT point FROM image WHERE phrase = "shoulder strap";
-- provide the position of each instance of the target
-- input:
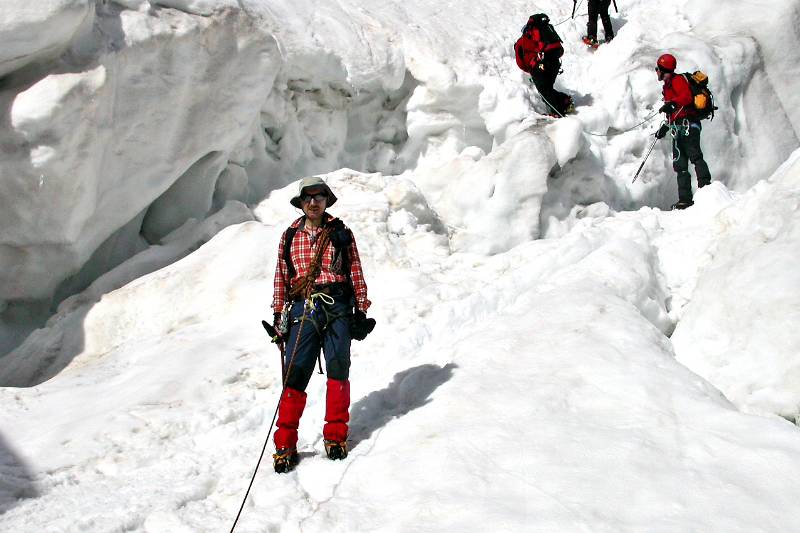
(287, 252)
(341, 237)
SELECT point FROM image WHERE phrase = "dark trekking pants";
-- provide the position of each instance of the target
(327, 327)
(685, 148)
(544, 81)
(599, 7)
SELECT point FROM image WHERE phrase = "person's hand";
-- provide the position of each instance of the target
(361, 326)
(668, 108)
(276, 322)
(662, 131)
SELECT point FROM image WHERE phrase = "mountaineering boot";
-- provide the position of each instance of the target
(284, 460)
(590, 41)
(682, 204)
(335, 450)
(337, 405)
(293, 402)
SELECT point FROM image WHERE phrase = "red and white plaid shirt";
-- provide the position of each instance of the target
(302, 252)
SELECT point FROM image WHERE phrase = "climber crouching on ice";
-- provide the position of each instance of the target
(318, 282)
(538, 52)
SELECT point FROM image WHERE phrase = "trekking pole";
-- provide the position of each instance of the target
(574, 5)
(645, 159)
(615, 6)
(274, 415)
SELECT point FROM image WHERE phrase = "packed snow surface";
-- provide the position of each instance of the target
(555, 351)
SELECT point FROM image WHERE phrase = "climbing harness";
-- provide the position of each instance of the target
(682, 125)
(329, 317)
(677, 129)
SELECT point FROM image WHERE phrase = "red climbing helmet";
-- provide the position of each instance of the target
(667, 63)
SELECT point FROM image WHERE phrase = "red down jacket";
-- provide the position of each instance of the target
(676, 90)
(530, 49)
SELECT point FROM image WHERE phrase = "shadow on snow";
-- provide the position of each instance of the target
(16, 480)
(408, 390)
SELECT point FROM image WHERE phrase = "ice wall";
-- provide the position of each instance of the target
(32, 31)
(127, 118)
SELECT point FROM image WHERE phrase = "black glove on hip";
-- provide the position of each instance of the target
(361, 326)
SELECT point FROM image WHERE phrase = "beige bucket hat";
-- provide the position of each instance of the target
(313, 181)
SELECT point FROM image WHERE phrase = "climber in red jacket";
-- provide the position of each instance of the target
(538, 52)
(684, 123)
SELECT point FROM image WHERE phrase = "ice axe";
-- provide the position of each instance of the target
(645, 159)
(275, 338)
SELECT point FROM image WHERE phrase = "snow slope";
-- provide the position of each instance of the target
(739, 331)
(523, 374)
(533, 389)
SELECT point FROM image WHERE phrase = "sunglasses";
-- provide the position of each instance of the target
(319, 197)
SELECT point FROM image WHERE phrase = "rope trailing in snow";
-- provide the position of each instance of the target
(274, 415)
(570, 18)
(646, 120)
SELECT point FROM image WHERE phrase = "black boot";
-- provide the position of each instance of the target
(336, 450)
(285, 460)
(682, 204)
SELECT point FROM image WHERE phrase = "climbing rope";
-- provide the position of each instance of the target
(326, 298)
(570, 18)
(646, 120)
(305, 285)
(274, 416)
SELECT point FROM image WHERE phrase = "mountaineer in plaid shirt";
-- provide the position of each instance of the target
(333, 287)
